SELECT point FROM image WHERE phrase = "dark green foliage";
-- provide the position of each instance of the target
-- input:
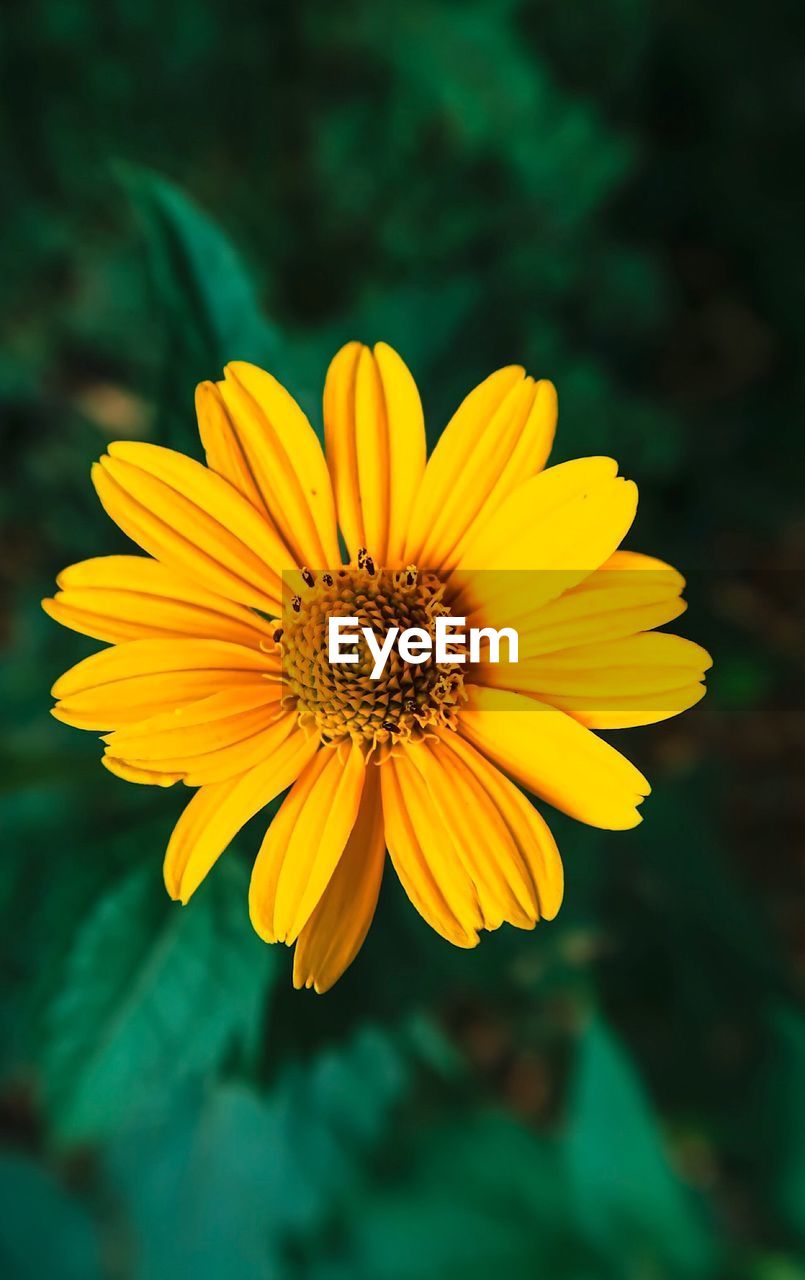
(263, 1175)
(150, 994)
(609, 193)
(44, 1231)
(627, 1201)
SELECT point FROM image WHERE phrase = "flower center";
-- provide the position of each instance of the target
(341, 700)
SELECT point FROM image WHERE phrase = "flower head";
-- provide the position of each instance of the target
(217, 672)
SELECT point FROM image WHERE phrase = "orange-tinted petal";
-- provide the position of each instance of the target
(143, 776)
(527, 830)
(210, 740)
(335, 932)
(217, 812)
(480, 839)
(424, 854)
(304, 843)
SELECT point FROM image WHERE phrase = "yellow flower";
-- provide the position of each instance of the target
(217, 675)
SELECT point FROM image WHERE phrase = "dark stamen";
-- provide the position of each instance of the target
(296, 604)
(307, 578)
(327, 579)
(277, 635)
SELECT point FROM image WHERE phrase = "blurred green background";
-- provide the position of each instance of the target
(611, 193)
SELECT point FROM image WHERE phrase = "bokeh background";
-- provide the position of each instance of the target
(611, 193)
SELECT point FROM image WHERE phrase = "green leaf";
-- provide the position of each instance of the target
(481, 1196)
(197, 1189)
(200, 279)
(626, 1199)
(205, 298)
(247, 1175)
(43, 1231)
(153, 993)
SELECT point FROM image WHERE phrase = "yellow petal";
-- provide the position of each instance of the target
(627, 711)
(500, 436)
(192, 520)
(210, 740)
(261, 441)
(227, 761)
(140, 678)
(628, 594)
(143, 776)
(117, 598)
(214, 722)
(304, 843)
(335, 932)
(527, 828)
(549, 534)
(555, 757)
(137, 697)
(424, 855)
(633, 680)
(480, 839)
(216, 814)
(375, 435)
(225, 448)
(239, 757)
(144, 657)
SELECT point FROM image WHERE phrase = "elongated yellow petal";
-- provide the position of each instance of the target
(257, 437)
(424, 855)
(225, 448)
(375, 435)
(217, 812)
(527, 828)
(305, 842)
(549, 534)
(647, 663)
(628, 594)
(633, 680)
(238, 757)
(215, 722)
(555, 757)
(142, 775)
(207, 741)
(192, 520)
(127, 701)
(144, 657)
(117, 598)
(629, 711)
(500, 436)
(511, 539)
(225, 761)
(480, 838)
(341, 442)
(140, 678)
(336, 930)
